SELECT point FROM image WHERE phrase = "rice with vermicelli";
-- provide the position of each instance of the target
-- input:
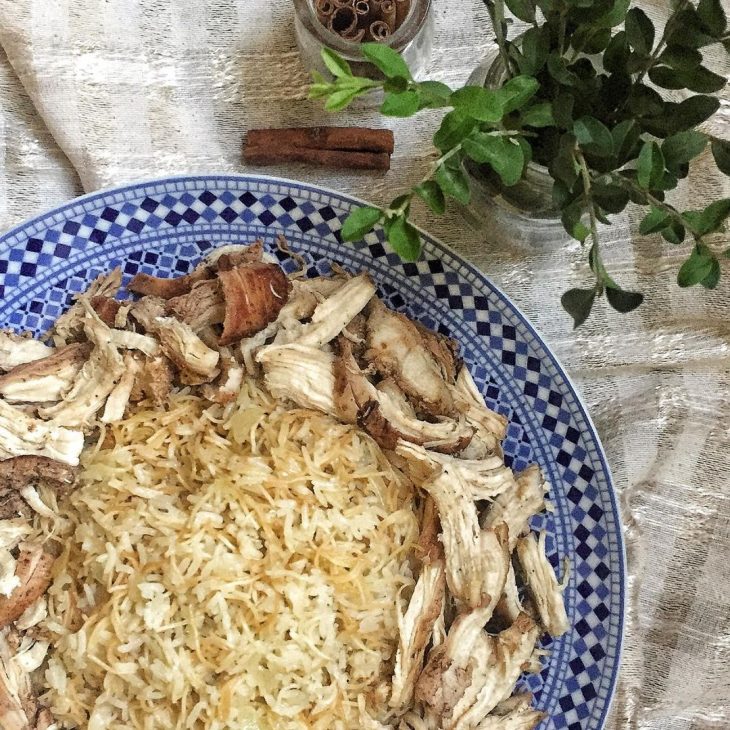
(236, 567)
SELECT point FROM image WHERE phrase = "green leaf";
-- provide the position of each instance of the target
(538, 115)
(562, 165)
(721, 153)
(682, 147)
(578, 304)
(562, 108)
(683, 59)
(696, 268)
(645, 101)
(433, 94)
(558, 69)
(403, 104)
(522, 9)
(359, 222)
(674, 233)
(697, 79)
(593, 136)
(432, 195)
(639, 31)
(689, 30)
(613, 16)
(650, 165)
(656, 220)
(713, 278)
(667, 78)
(505, 156)
(616, 55)
(385, 59)
(340, 99)
(478, 103)
(455, 127)
(404, 238)
(517, 92)
(454, 182)
(623, 301)
(711, 218)
(625, 136)
(396, 84)
(611, 198)
(335, 64)
(713, 17)
(571, 218)
(535, 47)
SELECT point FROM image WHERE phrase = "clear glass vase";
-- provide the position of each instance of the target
(523, 213)
(413, 40)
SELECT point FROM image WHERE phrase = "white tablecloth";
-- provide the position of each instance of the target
(97, 93)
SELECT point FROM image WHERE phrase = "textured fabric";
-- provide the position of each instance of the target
(96, 93)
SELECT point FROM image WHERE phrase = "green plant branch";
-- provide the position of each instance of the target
(495, 8)
(662, 44)
(587, 191)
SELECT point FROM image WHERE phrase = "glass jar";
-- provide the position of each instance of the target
(413, 39)
(523, 213)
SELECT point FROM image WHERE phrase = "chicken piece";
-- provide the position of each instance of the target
(515, 506)
(22, 434)
(301, 374)
(47, 379)
(69, 327)
(399, 349)
(254, 294)
(13, 531)
(225, 258)
(16, 350)
(542, 584)
(472, 672)
(118, 399)
(444, 350)
(429, 546)
(154, 286)
(367, 721)
(34, 573)
(384, 416)
(19, 707)
(415, 627)
(491, 427)
(229, 381)
(201, 307)
(477, 561)
(94, 382)
(128, 340)
(154, 380)
(515, 713)
(509, 606)
(107, 309)
(334, 313)
(19, 471)
(486, 478)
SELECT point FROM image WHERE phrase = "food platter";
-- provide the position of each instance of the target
(164, 227)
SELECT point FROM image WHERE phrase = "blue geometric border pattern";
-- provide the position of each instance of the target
(164, 228)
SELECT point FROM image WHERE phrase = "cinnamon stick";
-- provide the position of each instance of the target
(379, 31)
(343, 21)
(402, 8)
(347, 159)
(359, 139)
(324, 9)
(387, 13)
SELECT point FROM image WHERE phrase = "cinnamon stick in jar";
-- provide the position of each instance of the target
(402, 8)
(379, 31)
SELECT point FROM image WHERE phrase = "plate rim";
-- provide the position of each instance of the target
(142, 183)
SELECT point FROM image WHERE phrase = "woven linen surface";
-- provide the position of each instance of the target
(97, 93)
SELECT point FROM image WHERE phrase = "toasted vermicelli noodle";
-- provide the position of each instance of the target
(228, 568)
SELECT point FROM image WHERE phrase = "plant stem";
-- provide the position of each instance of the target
(496, 13)
(597, 265)
(668, 28)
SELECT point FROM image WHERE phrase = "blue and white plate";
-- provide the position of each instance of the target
(164, 227)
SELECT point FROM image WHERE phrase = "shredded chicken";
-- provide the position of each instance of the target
(16, 350)
(415, 628)
(94, 382)
(47, 379)
(69, 327)
(229, 381)
(398, 348)
(477, 560)
(515, 713)
(154, 380)
(254, 294)
(515, 506)
(19, 471)
(490, 427)
(542, 584)
(509, 606)
(472, 672)
(120, 395)
(168, 288)
(201, 307)
(34, 573)
(22, 434)
(107, 309)
(334, 313)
